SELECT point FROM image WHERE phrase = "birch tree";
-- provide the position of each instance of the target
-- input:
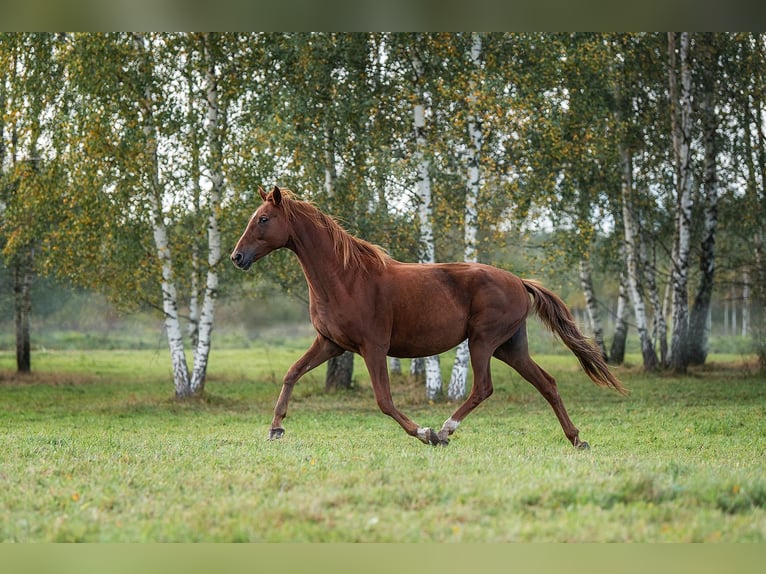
(632, 257)
(681, 119)
(136, 180)
(215, 131)
(617, 349)
(424, 200)
(458, 379)
(153, 194)
(699, 329)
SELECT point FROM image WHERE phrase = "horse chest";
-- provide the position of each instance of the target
(340, 324)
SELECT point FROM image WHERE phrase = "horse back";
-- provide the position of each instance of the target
(434, 306)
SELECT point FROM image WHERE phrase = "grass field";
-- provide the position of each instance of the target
(95, 449)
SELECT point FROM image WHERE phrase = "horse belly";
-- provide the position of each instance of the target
(428, 326)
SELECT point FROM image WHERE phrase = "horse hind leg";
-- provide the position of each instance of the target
(515, 353)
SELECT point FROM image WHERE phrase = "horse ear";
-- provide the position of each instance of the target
(262, 193)
(276, 195)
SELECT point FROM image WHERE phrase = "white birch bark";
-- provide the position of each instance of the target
(659, 323)
(632, 259)
(617, 350)
(682, 240)
(586, 282)
(161, 242)
(699, 317)
(745, 304)
(418, 368)
(340, 369)
(194, 306)
(215, 168)
(459, 377)
(425, 214)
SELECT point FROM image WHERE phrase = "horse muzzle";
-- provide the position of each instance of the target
(241, 260)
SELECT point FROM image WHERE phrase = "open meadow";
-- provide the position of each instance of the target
(94, 448)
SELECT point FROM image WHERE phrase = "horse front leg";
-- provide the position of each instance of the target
(320, 351)
(378, 369)
(481, 390)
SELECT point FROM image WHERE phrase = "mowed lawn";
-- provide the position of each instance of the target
(95, 448)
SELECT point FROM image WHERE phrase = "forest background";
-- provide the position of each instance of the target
(626, 171)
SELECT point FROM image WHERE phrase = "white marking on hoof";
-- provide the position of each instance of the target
(423, 435)
(450, 425)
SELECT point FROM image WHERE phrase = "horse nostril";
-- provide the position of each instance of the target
(236, 257)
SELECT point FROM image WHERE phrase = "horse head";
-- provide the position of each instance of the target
(267, 230)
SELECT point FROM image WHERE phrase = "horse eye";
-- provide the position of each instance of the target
(263, 219)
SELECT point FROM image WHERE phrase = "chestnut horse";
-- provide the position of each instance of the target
(364, 301)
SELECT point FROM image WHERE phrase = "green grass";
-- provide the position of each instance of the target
(95, 449)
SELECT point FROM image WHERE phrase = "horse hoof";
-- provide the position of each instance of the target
(276, 433)
(582, 445)
(436, 440)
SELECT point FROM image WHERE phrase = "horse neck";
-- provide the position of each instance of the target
(316, 252)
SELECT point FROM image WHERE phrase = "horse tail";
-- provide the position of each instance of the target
(556, 316)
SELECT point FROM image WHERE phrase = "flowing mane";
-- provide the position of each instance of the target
(356, 254)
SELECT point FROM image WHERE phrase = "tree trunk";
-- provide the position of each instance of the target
(659, 324)
(459, 377)
(22, 288)
(418, 368)
(215, 169)
(340, 372)
(632, 252)
(699, 330)
(586, 282)
(194, 306)
(341, 368)
(617, 350)
(759, 301)
(425, 215)
(681, 120)
(756, 175)
(161, 242)
(394, 365)
(745, 303)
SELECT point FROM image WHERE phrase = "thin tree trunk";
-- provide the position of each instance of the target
(425, 215)
(682, 144)
(745, 303)
(632, 240)
(418, 368)
(161, 242)
(586, 282)
(22, 289)
(759, 306)
(339, 369)
(215, 168)
(459, 377)
(340, 376)
(659, 324)
(195, 174)
(194, 306)
(699, 330)
(756, 202)
(617, 350)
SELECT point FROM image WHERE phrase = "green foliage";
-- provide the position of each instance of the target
(300, 104)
